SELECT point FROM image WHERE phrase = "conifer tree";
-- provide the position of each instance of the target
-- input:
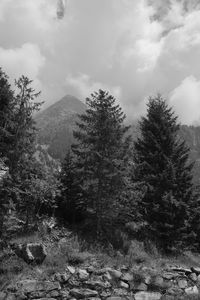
(6, 112)
(161, 163)
(70, 205)
(101, 155)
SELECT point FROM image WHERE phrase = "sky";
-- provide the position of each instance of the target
(132, 48)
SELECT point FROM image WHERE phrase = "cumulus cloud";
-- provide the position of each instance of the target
(132, 48)
(25, 60)
(186, 100)
(83, 86)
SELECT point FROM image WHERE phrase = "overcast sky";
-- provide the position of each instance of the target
(133, 48)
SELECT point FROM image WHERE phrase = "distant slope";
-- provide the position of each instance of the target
(56, 124)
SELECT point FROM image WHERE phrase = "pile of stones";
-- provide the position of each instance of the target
(94, 283)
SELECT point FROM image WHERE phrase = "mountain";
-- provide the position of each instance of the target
(58, 121)
(191, 134)
(56, 124)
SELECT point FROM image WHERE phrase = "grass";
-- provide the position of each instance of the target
(71, 250)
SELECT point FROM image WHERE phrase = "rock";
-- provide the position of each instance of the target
(102, 271)
(73, 282)
(105, 294)
(120, 292)
(107, 277)
(124, 285)
(147, 296)
(157, 283)
(11, 297)
(127, 277)
(193, 290)
(182, 283)
(114, 298)
(193, 277)
(124, 268)
(91, 269)
(196, 270)
(140, 287)
(83, 293)
(83, 275)
(64, 294)
(20, 296)
(45, 299)
(2, 296)
(175, 290)
(29, 286)
(147, 279)
(168, 297)
(71, 269)
(198, 278)
(170, 275)
(62, 278)
(180, 269)
(31, 253)
(115, 274)
(95, 284)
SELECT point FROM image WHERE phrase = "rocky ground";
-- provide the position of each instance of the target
(90, 282)
(83, 275)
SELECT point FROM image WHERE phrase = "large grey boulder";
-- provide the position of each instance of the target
(34, 253)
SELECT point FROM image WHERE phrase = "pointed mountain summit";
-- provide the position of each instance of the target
(56, 124)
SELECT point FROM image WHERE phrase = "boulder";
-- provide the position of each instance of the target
(193, 290)
(193, 277)
(30, 286)
(196, 270)
(83, 293)
(71, 269)
(83, 275)
(147, 296)
(34, 253)
(115, 274)
(127, 277)
(182, 283)
(62, 278)
(123, 285)
(2, 296)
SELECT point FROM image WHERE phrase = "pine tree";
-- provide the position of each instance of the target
(161, 163)
(101, 155)
(6, 112)
(70, 205)
(6, 137)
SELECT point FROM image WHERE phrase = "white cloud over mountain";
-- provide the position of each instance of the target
(132, 48)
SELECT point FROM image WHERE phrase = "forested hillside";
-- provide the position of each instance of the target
(58, 122)
(127, 189)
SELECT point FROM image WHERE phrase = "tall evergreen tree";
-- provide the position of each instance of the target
(70, 204)
(161, 163)
(6, 112)
(6, 137)
(101, 154)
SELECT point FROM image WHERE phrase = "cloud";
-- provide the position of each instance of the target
(132, 48)
(83, 85)
(185, 100)
(26, 60)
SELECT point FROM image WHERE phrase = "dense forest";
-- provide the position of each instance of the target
(112, 185)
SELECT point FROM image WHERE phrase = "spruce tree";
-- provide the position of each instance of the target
(161, 163)
(6, 112)
(6, 137)
(70, 204)
(101, 155)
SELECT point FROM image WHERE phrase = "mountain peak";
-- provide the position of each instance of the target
(56, 124)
